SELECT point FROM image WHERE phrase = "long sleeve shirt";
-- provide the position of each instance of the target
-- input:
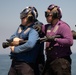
(29, 50)
(61, 47)
(32, 39)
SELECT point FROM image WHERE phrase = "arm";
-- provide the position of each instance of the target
(32, 40)
(66, 33)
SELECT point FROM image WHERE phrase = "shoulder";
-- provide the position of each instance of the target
(64, 27)
(32, 30)
(63, 24)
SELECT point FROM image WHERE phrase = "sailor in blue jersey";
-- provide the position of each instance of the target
(24, 56)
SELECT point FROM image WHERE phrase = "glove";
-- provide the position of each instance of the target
(50, 38)
(47, 39)
(53, 38)
(38, 26)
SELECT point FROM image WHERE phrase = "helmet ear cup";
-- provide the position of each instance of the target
(30, 18)
(55, 15)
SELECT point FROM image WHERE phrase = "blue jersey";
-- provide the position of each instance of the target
(28, 51)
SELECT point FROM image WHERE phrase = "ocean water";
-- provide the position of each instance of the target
(5, 63)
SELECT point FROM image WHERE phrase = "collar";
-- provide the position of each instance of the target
(23, 27)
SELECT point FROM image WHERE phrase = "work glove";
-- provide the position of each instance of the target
(49, 38)
(53, 38)
(38, 26)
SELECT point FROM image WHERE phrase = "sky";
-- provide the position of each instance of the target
(10, 16)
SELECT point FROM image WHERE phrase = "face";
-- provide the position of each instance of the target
(48, 16)
(24, 21)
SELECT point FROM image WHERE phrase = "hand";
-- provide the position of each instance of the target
(50, 38)
(47, 39)
(37, 27)
(16, 41)
(12, 48)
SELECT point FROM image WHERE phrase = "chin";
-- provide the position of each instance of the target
(23, 24)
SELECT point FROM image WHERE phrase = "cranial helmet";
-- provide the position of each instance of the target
(56, 11)
(29, 12)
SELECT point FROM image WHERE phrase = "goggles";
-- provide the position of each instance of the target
(47, 14)
(23, 15)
